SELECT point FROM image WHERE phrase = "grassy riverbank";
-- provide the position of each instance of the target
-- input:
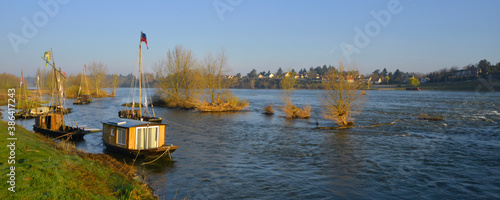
(51, 170)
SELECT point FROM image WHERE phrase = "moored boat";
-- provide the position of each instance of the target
(52, 124)
(140, 114)
(83, 97)
(135, 138)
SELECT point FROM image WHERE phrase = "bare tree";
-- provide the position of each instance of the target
(174, 75)
(98, 73)
(287, 85)
(213, 75)
(341, 98)
(115, 83)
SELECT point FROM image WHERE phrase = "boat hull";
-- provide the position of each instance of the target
(139, 153)
(81, 102)
(128, 115)
(76, 133)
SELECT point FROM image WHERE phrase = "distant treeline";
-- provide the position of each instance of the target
(312, 78)
(307, 79)
(483, 69)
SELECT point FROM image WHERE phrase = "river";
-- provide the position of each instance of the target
(250, 155)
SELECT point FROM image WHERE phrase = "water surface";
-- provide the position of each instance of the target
(251, 155)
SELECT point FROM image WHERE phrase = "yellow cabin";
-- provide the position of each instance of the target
(134, 136)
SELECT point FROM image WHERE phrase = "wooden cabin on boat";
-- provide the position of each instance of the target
(83, 99)
(52, 124)
(134, 137)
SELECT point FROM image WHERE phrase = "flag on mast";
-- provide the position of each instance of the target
(46, 55)
(20, 84)
(143, 39)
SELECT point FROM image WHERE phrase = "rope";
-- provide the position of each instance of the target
(166, 151)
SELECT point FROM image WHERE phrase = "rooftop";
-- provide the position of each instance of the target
(126, 123)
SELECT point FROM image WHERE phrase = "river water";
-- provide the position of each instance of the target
(250, 155)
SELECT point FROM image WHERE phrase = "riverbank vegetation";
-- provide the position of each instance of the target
(268, 110)
(215, 83)
(187, 84)
(177, 79)
(7, 81)
(45, 169)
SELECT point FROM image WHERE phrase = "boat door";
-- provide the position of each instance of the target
(147, 137)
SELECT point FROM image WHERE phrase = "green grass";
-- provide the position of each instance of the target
(50, 170)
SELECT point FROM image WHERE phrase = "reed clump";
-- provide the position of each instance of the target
(172, 102)
(268, 110)
(100, 94)
(230, 103)
(292, 111)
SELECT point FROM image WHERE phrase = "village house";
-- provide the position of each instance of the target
(377, 82)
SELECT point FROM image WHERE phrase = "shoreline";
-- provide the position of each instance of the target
(47, 169)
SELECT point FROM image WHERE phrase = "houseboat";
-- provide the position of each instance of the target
(135, 138)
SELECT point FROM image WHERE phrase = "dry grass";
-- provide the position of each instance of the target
(144, 191)
(268, 110)
(170, 102)
(102, 93)
(292, 111)
(228, 104)
(104, 159)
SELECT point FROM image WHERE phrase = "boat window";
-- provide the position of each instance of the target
(147, 137)
(122, 136)
(112, 132)
(153, 137)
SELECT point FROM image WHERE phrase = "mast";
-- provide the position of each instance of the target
(81, 82)
(140, 78)
(57, 85)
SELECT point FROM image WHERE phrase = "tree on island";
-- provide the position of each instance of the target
(220, 99)
(176, 79)
(287, 85)
(341, 99)
(98, 72)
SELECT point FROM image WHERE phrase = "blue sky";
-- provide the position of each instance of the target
(420, 36)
